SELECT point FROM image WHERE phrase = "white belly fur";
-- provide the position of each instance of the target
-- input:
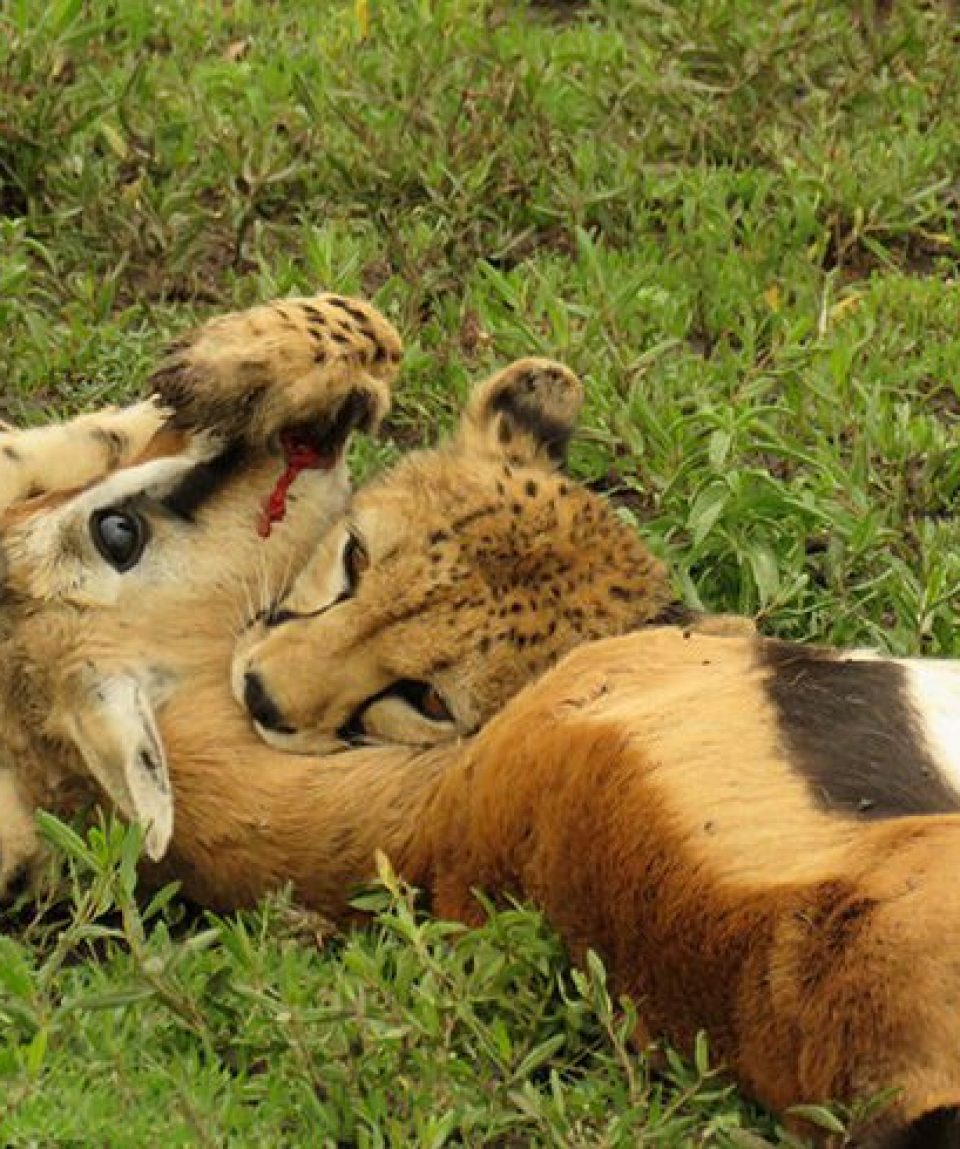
(934, 689)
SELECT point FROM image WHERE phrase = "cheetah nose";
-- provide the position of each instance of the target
(261, 706)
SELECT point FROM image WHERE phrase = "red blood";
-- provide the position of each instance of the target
(299, 455)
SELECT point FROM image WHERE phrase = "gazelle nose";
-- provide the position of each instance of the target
(261, 706)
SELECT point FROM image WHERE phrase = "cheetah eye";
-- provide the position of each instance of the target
(433, 707)
(120, 537)
(424, 698)
(355, 562)
(430, 719)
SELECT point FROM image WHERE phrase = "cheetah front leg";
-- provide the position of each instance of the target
(322, 365)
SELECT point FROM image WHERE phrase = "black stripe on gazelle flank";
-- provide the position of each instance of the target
(938, 1129)
(851, 731)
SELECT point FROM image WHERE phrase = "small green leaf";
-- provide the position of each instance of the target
(718, 448)
(701, 1054)
(160, 900)
(16, 975)
(114, 140)
(109, 999)
(36, 1052)
(820, 1116)
(65, 838)
(538, 1056)
(706, 509)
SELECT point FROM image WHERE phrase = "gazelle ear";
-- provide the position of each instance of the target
(68, 456)
(524, 414)
(110, 721)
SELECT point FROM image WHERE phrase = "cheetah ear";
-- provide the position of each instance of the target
(524, 414)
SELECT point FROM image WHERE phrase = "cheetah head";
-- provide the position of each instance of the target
(452, 581)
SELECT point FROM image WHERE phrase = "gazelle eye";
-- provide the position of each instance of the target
(120, 537)
(355, 562)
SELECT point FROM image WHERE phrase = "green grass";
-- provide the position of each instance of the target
(737, 220)
(126, 1025)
